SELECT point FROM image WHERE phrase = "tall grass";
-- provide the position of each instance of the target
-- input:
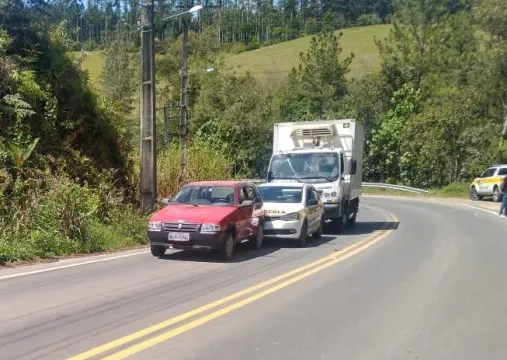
(55, 216)
(203, 163)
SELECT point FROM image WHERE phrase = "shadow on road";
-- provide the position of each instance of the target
(363, 228)
(289, 243)
(242, 252)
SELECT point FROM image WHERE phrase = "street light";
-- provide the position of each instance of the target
(148, 146)
(183, 93)
(192, 10)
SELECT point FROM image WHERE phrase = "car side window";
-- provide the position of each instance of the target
(242, 195)
(488, 173)
(502, 171)
(250, 193)
(315, 194)
(310, 195)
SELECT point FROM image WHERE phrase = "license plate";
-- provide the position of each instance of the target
(177, 236)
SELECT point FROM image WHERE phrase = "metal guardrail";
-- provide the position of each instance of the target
(395, 187)
(369, 185)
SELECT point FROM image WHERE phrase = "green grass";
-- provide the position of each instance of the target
(279, 59)
(92, 63)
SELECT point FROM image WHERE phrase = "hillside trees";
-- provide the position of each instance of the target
(64, 167)
(432, 51)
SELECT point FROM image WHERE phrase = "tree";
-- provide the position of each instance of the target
(491, 72)
(386, 161)
(319, 82)
(117, 82)
(416, 36)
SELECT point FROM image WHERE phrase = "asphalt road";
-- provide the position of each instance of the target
(414, 280)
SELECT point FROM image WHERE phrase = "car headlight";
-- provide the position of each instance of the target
(290, 217)
(210, 228)
(154, 226)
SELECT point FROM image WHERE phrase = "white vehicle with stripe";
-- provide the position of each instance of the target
(292, 211)
(488, 184)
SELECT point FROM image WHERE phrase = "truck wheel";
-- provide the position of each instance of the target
(157, 250)
(352, 221)
(227, 249)
(256, 242)
(339, 224)
(318, 234)
(497, 194)
(303, 235)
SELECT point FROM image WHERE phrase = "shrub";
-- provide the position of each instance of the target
(204, 163)
(369, 19)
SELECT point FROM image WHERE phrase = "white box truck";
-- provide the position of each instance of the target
(327, 154)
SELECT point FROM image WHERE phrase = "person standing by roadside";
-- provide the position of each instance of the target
(503, 188)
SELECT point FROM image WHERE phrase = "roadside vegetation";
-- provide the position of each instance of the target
(433, 107)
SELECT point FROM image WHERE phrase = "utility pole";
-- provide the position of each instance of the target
(184, 96)
(148, 124)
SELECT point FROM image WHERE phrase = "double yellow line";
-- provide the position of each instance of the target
(276, 284)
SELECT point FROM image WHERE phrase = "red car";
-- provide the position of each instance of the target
(211, 215)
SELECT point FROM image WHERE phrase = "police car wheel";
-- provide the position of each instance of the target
(473, 195)
(303, 235)
(497, 195)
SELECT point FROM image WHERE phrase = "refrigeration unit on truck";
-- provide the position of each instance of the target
(327, 154)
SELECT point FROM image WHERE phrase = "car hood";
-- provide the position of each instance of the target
(189, 213)
(279, 209)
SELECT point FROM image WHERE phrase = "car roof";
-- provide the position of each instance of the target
(284, 185)
(219, 183)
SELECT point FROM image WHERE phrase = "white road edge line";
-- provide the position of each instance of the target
(5, 277)
(481, 209)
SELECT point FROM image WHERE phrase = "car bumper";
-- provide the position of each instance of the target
(282, 229)
(332, 211)
(204, 241)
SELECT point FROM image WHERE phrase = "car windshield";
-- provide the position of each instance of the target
(305, 166)
(278, 194)
(206, 195)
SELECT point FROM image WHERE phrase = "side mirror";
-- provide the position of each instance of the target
(312, 202)
(246, 203)
(165, 201)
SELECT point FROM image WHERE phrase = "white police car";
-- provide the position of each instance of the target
(292, 211)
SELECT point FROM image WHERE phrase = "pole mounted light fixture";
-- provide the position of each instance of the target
(184, 85)
(192, 10)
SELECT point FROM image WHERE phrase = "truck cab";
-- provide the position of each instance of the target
(326, 154)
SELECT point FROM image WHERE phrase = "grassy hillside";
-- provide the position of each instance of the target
(279, 59)
(93, 63)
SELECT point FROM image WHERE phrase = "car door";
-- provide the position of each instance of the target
(257, 207)
(244, 225)
(319, 213)
(484, 182)
(311, 204)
